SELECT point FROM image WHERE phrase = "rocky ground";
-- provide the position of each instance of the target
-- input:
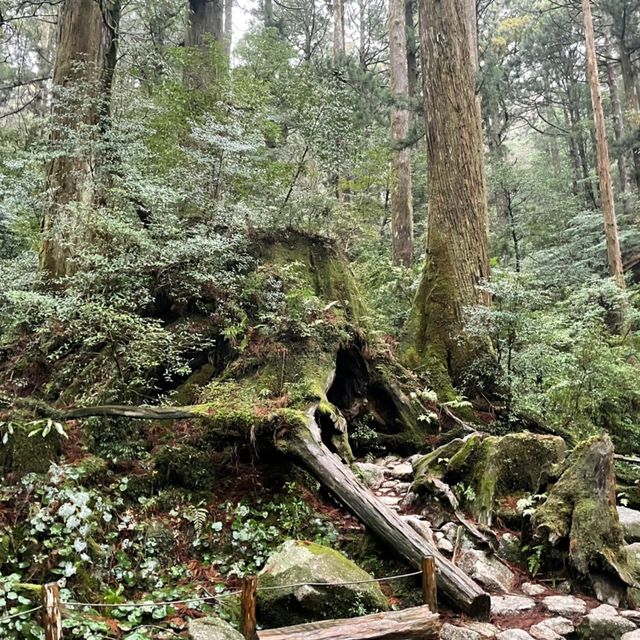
(522, 608)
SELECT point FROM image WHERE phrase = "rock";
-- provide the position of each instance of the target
(445, 546)
(390, 501)
(298, 562)
(552, 629)
(371, 474)
(487, 570)
(632, 615)
(541, 632)
(212, 629)
(485, 629)
(449, 632)
(600, 624)
(514, 634)
(511, 605)
(532, 589)
(402, 471)
(630, 522)
(510, 549)
(608, 590)
(564, 587)
(421, 526)
(632, 635)
(565, 605)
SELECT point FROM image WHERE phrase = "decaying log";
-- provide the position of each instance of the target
(305, 444)
(417, 622)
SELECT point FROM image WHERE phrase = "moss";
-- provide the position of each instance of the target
(183, 466)
(298, 562)
(187, 392)
(436, 461)
(23, 454)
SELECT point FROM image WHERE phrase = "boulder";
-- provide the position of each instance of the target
(630, 523)
(604, 623)
(608, 590)
(532, 589)
(632, 635)
(541, 632)
(566, 606)
(308, 567)
(487, 570)
(212, 629)
(552, 629)
(450, 632)
(510, 605)
(371, 474)
(485, 629)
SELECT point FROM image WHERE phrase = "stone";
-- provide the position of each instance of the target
(390, 501)
(511, 605)
(600, 624)
(402, 471)
(565, 605)
(450, 632)
(630, 522)
(604, 610)
(485, 629)
(299, 563)
(562, 626)
(487, 570)
(564, 587)
(532, 589)
(510, 549)
(633, 615)
(632, 635)
(213, 629)
(421, 526)
(371, 474)
(607, 589)
(514, 634)
(445, 546)
(541, 632)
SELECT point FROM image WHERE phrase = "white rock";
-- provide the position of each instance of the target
(541, 632)
(421, 526)
(532, 589)
(607, 589)
(372, 475)
(565, 605)
(450, 632)
(632, 635)
(630, 521)
(445, 546)
(632, 615)
(601, 626)
(562, 626)
(487, 570)
(510, 605)
(485, 629)
(514, 634)
(403, 471)
(390, 500)
(604, 610)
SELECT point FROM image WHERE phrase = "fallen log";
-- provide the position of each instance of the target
(305, 444)
(418, 622)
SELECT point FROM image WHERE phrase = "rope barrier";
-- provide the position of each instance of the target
(19, 614)
(141, 605)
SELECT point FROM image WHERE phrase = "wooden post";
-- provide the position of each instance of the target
(52, 617)
(248, 608)
(429, 588)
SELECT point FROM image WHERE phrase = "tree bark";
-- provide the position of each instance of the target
(631, 99)
(401, 197)
(618, 129)
(338, 30)
(268, 13)
(412, 46)
(418, 622)
(85, 61)
(457, 232)
(602, 153)
(228, 28)
(204, 35)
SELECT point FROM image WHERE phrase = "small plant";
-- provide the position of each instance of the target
(464, 492)
(534, 557)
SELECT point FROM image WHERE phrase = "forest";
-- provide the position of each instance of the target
(319, 319)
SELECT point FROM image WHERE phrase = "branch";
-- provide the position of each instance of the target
(126, 411)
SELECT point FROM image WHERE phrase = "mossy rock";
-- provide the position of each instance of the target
(496, 469)
(299, 563)
(23, 454)
(213, 629)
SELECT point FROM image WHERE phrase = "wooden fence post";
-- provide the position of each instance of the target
(429, 586)
(248, 608)
(52, 616)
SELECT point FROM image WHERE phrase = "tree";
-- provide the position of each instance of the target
(205, 37)
(338, 30)
(83, 75)
(401, 198)
(228, 27)
(602, 152)
(457, 234)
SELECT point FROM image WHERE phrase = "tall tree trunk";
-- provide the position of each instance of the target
(618, 128)
(602, 152)
(82, 78)
(268, 13)
(457, 233)
(631, 100)
(204, 34)
(338, 30)
(412, 46)
(401, 198)
(228, 28)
